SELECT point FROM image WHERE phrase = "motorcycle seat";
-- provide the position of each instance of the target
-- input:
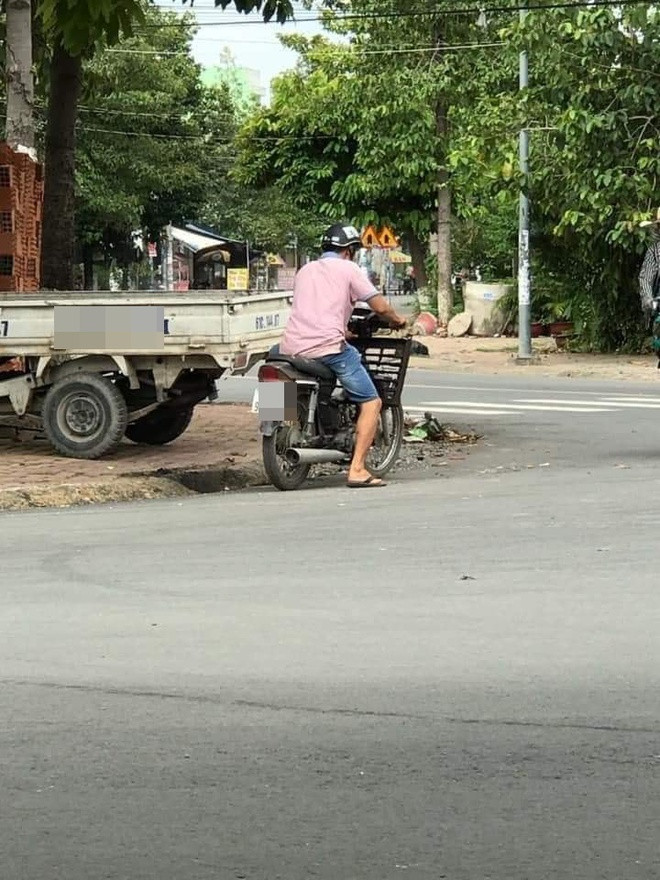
(305, 365)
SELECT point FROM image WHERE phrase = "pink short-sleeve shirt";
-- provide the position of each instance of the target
(324, 295)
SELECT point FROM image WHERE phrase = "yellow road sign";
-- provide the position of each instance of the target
(387, 238)
(369, 237)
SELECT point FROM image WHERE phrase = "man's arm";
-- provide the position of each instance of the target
(381, 306)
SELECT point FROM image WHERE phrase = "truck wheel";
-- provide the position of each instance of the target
(84, 416)
(160, 426)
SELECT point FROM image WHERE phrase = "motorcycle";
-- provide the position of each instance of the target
(307, 419)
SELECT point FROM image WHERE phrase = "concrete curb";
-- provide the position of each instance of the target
(175, 483)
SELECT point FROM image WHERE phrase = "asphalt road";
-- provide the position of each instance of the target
(528, 420)
(454, 677)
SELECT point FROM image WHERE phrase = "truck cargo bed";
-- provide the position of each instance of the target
(215, 323)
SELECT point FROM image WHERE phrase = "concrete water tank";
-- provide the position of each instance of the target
(481, 299)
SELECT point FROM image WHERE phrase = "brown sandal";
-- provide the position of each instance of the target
(369, 483)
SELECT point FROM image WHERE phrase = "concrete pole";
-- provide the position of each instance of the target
(524, 299)
(169, 259)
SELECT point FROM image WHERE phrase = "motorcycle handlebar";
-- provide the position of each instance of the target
(364, 324)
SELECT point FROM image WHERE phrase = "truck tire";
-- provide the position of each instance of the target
(84, 416)
(160, 426)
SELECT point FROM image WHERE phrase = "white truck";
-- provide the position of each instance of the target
(91, 368)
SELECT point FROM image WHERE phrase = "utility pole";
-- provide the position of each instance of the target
(168, 260)
(524, 299)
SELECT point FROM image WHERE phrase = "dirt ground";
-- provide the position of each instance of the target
(498, 356)
(219, 436)
(223, 439)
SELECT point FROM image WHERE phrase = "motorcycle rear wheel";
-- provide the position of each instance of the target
(282, 475)
(384, 453)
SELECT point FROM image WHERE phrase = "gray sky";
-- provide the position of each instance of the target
(252, 42)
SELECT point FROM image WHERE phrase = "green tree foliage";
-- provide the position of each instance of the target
(279, 9)
(80, 24)
(156, 146)
(376, 129)
(596, 174)
(152, 141)
(364, 128)
(75, 28)
(591, 108)
(266, 217)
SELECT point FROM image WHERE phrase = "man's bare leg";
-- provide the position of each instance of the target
(367, 425)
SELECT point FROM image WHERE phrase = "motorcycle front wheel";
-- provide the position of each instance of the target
(281, 474)
(384, 453)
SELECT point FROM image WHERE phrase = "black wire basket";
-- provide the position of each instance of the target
(387, 363)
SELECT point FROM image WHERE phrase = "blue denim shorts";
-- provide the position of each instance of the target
(351, 372)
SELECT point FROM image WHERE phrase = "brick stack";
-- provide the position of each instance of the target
(21, 200)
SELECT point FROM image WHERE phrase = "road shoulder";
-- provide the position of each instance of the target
(498, 356)
(220, 450)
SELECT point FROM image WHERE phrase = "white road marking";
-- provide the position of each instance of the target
(456, 410)
(555, 402)
(502, 389)
(641, 397)
(632, 404)
(569, 406)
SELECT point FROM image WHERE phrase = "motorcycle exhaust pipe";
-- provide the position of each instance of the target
(314, 456)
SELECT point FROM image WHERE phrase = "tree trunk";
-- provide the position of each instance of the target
(418, 254)
(445, 289)
(59, 220)
(18, 74)
(88, 266)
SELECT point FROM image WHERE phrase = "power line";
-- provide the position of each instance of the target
(173, 117)
(627, 68)
(441, 48)
(372, 16)
(150, 134)
(214, 140)
(348, 48)
(170, 117)
(181, 53)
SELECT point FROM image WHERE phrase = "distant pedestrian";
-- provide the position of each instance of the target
(649, 275)
(410, 282)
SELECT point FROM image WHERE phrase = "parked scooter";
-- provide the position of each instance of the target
(306, 418)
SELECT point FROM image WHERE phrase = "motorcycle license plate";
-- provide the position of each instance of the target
(276, 402)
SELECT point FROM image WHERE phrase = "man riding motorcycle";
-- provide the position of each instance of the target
(324, 295)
